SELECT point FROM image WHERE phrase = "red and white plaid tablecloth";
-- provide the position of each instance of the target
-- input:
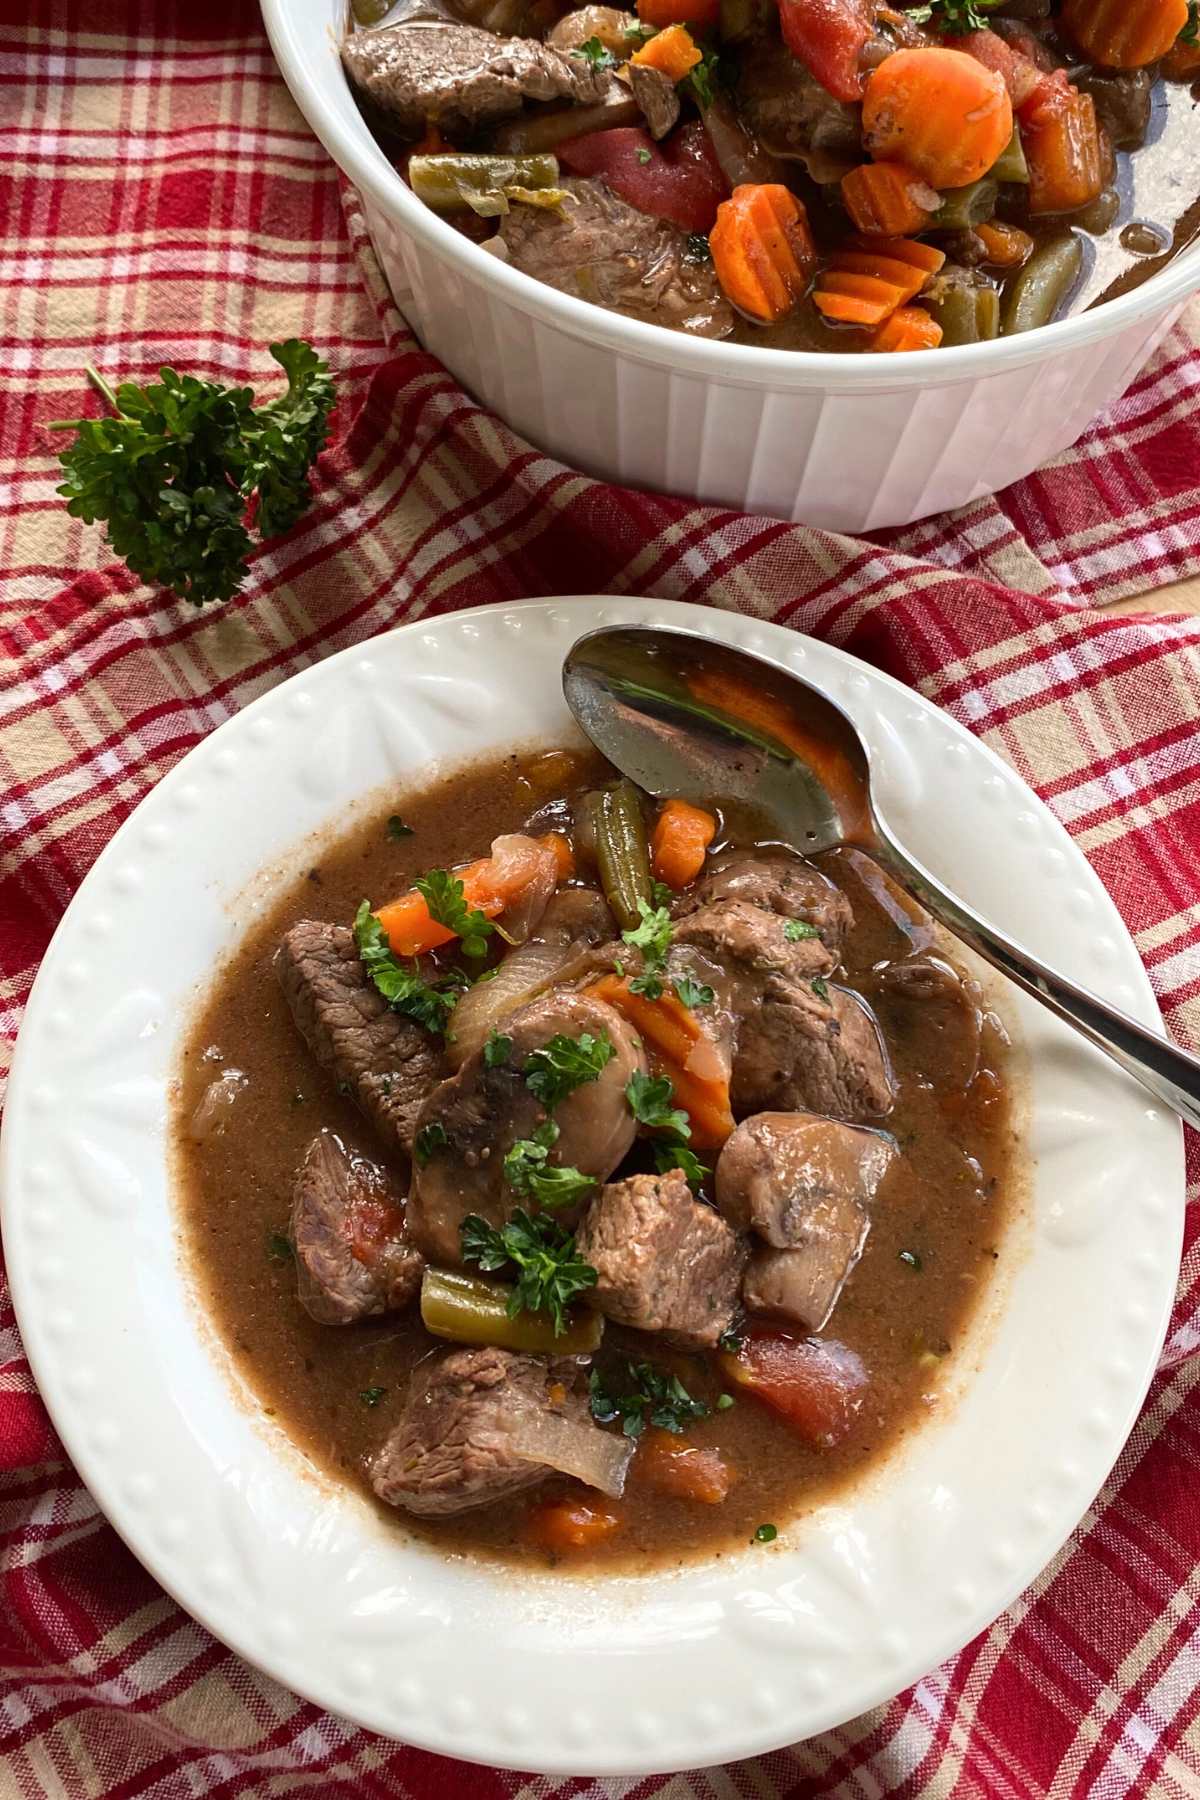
(161, 201)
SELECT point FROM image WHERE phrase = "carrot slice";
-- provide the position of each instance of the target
(682, 834)
(940, 111)
(888, 199)
(564, 856)
(564, 1525)
(1065, 151)
(864, 283)
(686, 1471)
(672, 51)
(762, 249)
(1007, 246)
(671, 1032)
(1124, 34)
(909, 328)
(489, 886)
(700, 15)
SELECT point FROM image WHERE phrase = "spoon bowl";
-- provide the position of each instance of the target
(683, 715)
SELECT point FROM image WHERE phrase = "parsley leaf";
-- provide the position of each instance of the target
(637, 33)
(550, 1272)
(280, 1247)
(429, 1003)
(496, 1050)
(593, 51)
(372, 1396)
(653, 938)
(670, 1153)
(766, 1534)
(563, 1064)
(796, 930)
(443, 895)
(693, 993)
(1191, 30)
(530, 1173)
(429, 1140)
(820, 988)
(660, 893)
(643, 1395)
(699, 81)
(954, 16)
(172, 475)
(649, 1099)
(397, 829)
(644, 156)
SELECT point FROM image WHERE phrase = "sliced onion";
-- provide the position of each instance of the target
(529, 871)
(599, 1458)
(212, 1115)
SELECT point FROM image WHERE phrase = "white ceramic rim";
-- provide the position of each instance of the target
(634, 1675)
(296, 34)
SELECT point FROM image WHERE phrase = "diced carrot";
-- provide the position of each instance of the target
(762, 249)
(940, 111)
(864, 283)
(909, 328)
(672, 51)
(1007, 246)
(489, 886)
(1064, 150)
(888, 199)
(815, 1384)
(699, 15)
(1124, 34)
(565, 1525)
(682, 834)
(671, 1033)
(682, 1469)
(564, 856)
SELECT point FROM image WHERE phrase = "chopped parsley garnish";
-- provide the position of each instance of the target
(731, 1341)
(496, 1050)
(593, 51)
(443, 895)
(550, 1271)
(530, 1173)
(724, 1402)
(660, 893)
(563, 1064)
(699, 81)
(644, 156)
(1191, 30)
(653, 938)
(642, 1395)
(649, 1099)
(693, 993)
(797, 929)
(669, 1153)
(820, 988)
(397, 829)
(911, 1258)
(429, 1140)
(429, 1003)
(637, 33)
(955, 17)
(372, 1396)
(766, 1534)
(280, 1247)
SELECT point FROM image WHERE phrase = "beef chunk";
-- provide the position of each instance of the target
(354, 1257)
(385, 1062)
(453, 1448)
(778, 883)
(461, 77)
(752, 946)
(656, 97)
(804, 1185)
(664, 1261)
(792, 115)
(600, 248)
(483, 1111)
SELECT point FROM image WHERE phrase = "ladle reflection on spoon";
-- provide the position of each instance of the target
(685, 715)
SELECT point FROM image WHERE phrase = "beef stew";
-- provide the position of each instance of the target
(830, 175)
(583, 1242)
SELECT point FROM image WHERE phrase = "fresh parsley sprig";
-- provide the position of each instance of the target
(172, 474)
(598, 54)
(642, 1395)
(649, 1100)
(797, 930)
(692, 993)
(653, 938)
(562, 1064)
(550, 1271)
(446, 900)
(429, 1003)
(954, 17)
(530, 1173)
(1191, 30)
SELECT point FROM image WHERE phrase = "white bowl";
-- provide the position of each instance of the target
(851, 443)
(719, 1660)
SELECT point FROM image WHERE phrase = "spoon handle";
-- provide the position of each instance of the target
(1171, 1074)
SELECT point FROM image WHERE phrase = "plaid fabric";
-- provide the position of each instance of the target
(163, 200)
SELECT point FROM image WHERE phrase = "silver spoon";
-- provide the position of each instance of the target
(658, 704)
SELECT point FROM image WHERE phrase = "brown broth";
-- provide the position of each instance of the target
(949, 1201)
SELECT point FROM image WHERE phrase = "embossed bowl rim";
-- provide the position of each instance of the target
(716, 1661)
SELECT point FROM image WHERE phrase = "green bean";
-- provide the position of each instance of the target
(965, 206)
(1011, 164)
(967, 315)
(1043, 284)
(468, 1310)
(447, 183)
(369, 12)
(613, 818)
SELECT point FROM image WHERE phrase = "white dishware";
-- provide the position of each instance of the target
(848, 442)
(720, 1659)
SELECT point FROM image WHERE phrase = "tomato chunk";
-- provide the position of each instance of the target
(679, 179)
(816, 1384)
(828, 36)
(688, 1471)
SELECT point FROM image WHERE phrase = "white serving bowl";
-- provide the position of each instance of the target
(847, 442)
